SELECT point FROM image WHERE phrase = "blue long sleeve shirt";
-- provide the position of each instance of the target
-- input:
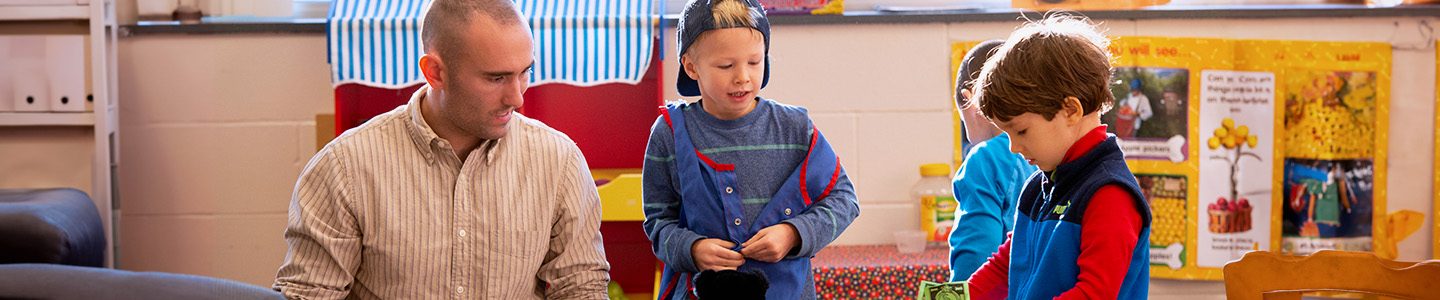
(765, 146)
(986, 187)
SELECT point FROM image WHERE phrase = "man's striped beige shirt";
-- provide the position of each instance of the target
(388, 211)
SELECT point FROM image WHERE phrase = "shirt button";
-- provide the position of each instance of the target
(737, 221)
(728, 190)
(462, 231)
(787, 211)
(459, 290)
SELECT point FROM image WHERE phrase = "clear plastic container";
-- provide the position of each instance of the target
(937, 202)
(910, 241)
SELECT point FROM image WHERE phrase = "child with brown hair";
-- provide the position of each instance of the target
(1082, 225)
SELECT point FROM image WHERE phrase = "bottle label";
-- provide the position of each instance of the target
(937, 217)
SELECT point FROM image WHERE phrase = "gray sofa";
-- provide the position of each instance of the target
(58, 226)
(52, 245)
(61, 282)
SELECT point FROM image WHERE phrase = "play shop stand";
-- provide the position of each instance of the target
(596, 78)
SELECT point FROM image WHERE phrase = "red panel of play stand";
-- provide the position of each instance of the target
(609, 122)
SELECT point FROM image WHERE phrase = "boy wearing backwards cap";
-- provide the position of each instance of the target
(735, 181)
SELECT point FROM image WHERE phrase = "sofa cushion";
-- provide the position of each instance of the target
(58, 226)
(51, 281)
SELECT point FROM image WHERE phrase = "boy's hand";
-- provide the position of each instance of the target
(715, 254)
(772, 243)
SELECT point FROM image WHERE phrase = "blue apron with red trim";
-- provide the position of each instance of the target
(708, 193)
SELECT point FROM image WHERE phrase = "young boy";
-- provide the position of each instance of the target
(1082, 228)
(734, 181)
(989, 180)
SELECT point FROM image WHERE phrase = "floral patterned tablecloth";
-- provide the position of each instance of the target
(877, 271)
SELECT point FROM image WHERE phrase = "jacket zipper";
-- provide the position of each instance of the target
(1046, 189)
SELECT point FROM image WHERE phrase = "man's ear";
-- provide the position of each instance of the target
(1072, 110)
(688, 64)
(434, 70)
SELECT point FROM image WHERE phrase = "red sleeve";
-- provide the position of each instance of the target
(1108, 234)
(992, 280)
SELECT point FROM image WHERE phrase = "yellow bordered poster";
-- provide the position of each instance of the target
(1335, 117)
(1157, 89)
(1221, 133)
(1240, 162)
(1436, 230)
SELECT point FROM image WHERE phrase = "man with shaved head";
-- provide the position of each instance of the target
(453, 195)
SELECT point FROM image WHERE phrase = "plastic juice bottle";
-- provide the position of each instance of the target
(937, 202)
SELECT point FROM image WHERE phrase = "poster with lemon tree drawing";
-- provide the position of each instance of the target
(1237, 118)
(1325, 102)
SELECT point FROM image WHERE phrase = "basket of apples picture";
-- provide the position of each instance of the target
(1232, 214)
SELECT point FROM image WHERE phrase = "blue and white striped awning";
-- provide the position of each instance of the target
(578, 42)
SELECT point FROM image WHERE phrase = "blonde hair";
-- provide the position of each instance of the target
(732, 13)
(1042, 64)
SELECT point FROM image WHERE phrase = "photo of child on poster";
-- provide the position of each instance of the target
(1329, 169)
(1328, 200)
(1151, 112)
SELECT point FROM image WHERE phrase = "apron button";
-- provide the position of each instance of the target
(787, 211)
(737, 222)
(728, 190)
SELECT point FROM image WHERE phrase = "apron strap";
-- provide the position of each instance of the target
(811, 181)
(805, 168)
(718, 167)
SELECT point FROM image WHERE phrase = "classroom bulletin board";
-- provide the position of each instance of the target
(1243, 145)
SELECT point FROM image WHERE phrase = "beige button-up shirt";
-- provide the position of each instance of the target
(388, 211)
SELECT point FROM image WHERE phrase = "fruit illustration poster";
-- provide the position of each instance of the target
(1237, 117)
(1155, 117)
(1335, 100)
(1329, 184)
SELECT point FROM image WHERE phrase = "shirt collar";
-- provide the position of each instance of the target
(491, 147)
(1086, 143)
(419, 131)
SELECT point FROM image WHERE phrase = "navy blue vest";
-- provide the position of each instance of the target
(1046, 243)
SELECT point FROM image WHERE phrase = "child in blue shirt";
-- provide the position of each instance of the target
(989, 179)
(735, 181)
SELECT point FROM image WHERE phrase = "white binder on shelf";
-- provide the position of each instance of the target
(65, 70)
(41, 2)
(29, 84)
(6, 84)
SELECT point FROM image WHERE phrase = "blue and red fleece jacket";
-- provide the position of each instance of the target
(1081, 232)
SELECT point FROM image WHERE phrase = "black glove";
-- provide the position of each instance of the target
(731, 284)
